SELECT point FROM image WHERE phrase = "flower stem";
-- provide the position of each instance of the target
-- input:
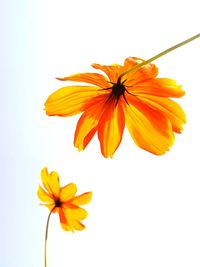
(160, 55)
(46, 237)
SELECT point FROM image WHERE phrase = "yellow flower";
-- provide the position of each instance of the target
(138, 99)
(63, 200)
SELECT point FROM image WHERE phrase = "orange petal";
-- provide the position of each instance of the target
(87, 124)
(51, 182)
(146, 72)
(68, 192)
(64, 222)
(82, 199)
(43, 196)
(93, 78)
(111, 71)
(158, 87)
(111, 127)
(70, 100)
(170, 108)
(149, 128)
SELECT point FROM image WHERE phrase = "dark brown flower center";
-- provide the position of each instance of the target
(118, 90)
(58, 203)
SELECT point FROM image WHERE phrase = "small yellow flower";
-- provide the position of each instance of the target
(63, 200)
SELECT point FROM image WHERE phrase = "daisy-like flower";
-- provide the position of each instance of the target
(63, 201)
(138, 99)
(130, 94)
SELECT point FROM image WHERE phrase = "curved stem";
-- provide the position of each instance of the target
(46, 237)
(160, 55)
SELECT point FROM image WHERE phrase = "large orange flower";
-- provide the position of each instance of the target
(137, 99)
(63, 200)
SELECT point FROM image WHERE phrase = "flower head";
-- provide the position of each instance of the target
(63, 200)
(138, 99)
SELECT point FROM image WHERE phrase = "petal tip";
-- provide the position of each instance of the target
(61, 79)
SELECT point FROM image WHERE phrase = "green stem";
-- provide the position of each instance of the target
(46, 237)
(160, 55)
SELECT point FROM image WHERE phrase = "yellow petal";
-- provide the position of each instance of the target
(149, 128)
(146, 72)
(158, 87)
(82, 199)
(170, 108)
(51, 182)
(111, 71)
(74, 223)
(93, 78)
(70, 100)
(77, 213)
(111, 127)
(43, 196)
(67, 192)
(87, 124)
(64, 222)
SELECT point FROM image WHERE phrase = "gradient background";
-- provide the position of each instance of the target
(145, 209)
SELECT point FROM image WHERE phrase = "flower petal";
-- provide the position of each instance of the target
(51, 182)
(70, 100)
(170, 108)
(158, 87)
(111, 71)
(87, 124)
(93, 78)
(43, 196)
(64, 222)
(149, 128)
(74, 223)
(111, 127)
(77, 213)
(146, 72)
(82, 199)
(67, 192)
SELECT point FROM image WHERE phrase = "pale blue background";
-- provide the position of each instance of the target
(145, 209)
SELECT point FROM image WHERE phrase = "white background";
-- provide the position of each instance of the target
(145, 209)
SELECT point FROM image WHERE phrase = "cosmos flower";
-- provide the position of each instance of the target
(63, 200)
(137, 99)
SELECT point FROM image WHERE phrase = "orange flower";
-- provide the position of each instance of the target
(63, 200)
(137, 99)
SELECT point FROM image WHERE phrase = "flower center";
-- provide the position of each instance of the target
(118, 90)
(58, 203)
